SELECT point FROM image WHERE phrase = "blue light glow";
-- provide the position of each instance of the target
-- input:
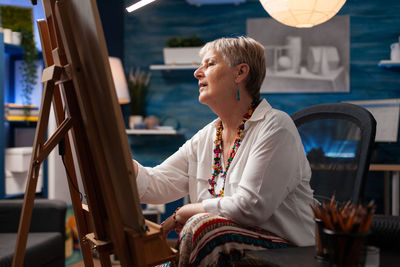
(333, 149)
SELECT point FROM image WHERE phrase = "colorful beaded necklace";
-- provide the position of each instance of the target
(217, 166)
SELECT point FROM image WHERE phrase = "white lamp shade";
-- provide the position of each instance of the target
(302, 13)
(118, 75)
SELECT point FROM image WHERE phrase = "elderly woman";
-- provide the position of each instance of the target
(246, 172)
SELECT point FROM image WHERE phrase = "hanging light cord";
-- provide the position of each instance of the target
(61, 152)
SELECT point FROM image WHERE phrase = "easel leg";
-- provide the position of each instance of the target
(105, 259)
(68, 158)
(25, 219)
(30, 191)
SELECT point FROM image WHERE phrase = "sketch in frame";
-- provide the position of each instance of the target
(304, 60)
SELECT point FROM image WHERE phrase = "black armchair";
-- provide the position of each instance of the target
(338, 139)
(46, 239)
(385, 232)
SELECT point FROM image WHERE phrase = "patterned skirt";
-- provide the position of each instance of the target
(210, 240)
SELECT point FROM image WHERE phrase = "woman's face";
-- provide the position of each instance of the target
(216, 79)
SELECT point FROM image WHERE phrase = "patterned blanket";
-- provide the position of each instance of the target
(210, 240)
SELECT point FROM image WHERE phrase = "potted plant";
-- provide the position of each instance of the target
(20, 20)
(183, 50)
(28, 69)
(138, 86)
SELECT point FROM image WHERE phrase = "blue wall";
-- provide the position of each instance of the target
(374, 26)
(112, 17)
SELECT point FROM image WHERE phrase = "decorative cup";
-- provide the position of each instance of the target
(7, 36)
(346, 249)
(136, 122)
(372, 258)
(16, 38)
(294, 44)
(395, 52)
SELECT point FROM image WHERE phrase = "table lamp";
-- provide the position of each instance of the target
(120, 83)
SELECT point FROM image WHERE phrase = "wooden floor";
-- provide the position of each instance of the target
(81, 264)
(96, 263)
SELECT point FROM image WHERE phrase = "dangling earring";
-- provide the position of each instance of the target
(238, 94)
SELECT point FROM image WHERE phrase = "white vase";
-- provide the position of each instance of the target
(135, 120)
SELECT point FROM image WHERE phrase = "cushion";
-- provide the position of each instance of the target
(43, 249)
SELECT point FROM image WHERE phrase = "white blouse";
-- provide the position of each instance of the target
(267, 184)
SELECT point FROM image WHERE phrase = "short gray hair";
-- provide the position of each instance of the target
(239, 50)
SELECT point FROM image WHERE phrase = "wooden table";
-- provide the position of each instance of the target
(395, 170)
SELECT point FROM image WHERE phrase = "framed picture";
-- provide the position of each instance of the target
(304, 60)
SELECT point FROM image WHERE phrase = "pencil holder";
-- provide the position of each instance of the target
(321, 245)
(346, 249)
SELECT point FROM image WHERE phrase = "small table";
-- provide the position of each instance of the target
(395, 169)
(301, 257)
(282, 257)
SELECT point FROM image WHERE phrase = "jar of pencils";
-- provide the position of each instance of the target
(346, 249)
(341, 232)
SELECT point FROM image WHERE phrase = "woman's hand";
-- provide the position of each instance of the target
(168, 225)
(181, 216)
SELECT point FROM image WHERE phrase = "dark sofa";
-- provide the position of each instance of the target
(46, 240)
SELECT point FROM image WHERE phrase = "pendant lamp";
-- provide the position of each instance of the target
(302, 13)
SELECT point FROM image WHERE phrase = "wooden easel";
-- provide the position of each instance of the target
(108, 223)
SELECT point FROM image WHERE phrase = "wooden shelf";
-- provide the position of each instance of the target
(333, 81)
(150, 132)
(174, 67)
(389, 64)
